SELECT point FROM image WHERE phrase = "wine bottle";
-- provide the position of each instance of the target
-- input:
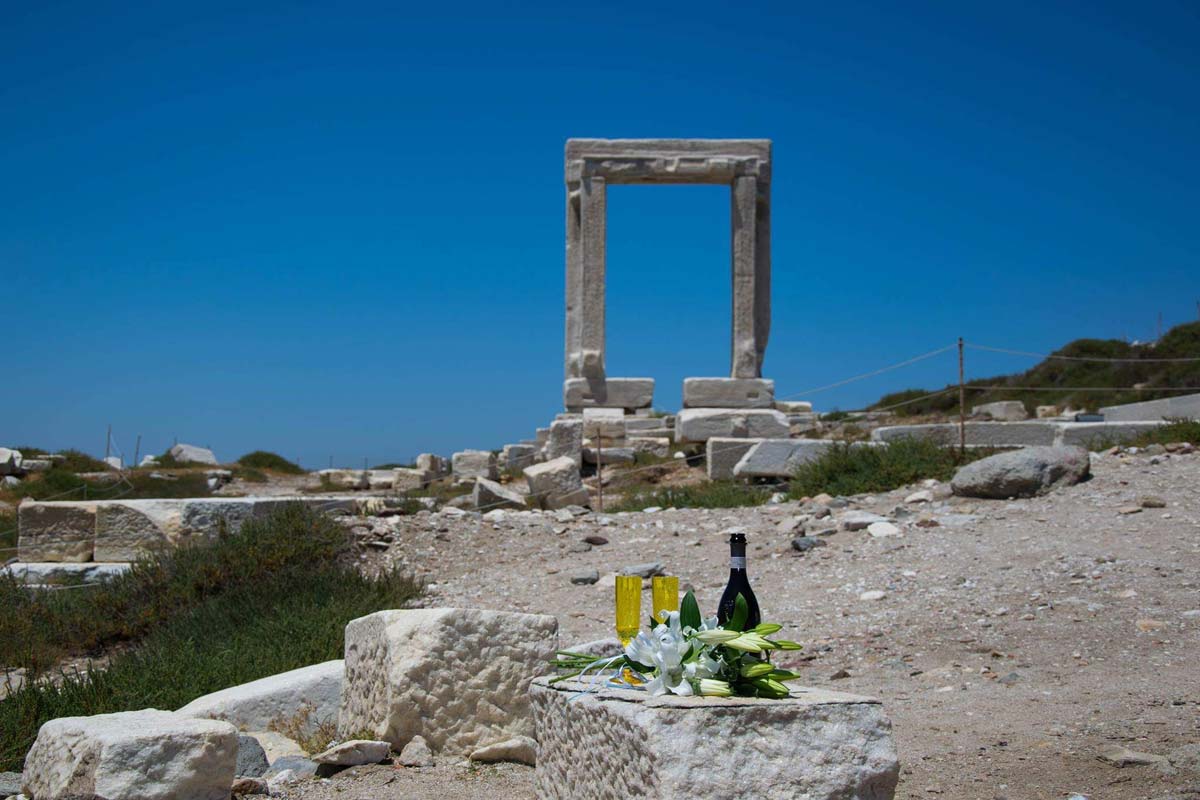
(738, 584)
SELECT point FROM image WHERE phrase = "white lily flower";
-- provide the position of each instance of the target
(714, 688)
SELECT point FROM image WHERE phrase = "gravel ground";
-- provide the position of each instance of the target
(1013, 643)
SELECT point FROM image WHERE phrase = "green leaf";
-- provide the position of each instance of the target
(741, 610)
(689, 612)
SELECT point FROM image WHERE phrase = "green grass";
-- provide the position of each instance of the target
(272, 462)
(8, 533)
(846, 470)
(713, 494)
(250, 474)
(62, 484)
(274, 597)
(1052, 378)
(1179, 430)
(73, 461)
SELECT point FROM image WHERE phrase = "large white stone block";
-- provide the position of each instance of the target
(10, 461)
(627, 393)
(127, 530)
(722, 454)
(816, 745)
(566, 439)
(516, 457)
(556, 484)
(471, 464)
(406, 479)
(779, 458)
(434, 465)
(133, 755)
(702, 424)
(312, 692)
(1001, 411)
(457, 677)
(728, 393)
(56, 531)
(192, 454)
(345, 478)
(488, 495)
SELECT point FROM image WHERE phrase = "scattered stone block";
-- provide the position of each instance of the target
(309, 695)
(457, 677)
(489, 495)
(606, 422)
(516, 457)
(251, 757)
(659, 447)
(36, 464)
(1047, 412)
(113, 462)
(416, 753)
(381, 479)
(406, 479)
(779, 458)
(191, 454)
(1022, 473)
(354, 753)
(585, 577)
(57, 531)
(609, 455)
(133, 755)
(346, 478)
(10, 461)
(127, 530)
(702, 424)
(566, 439)
(817, 745)
(556, 484)
(626, 393)
(276, 745)
(433, 465)
(722, 454)
(519, 749)
(1001, 411)
(728, 393)
(471, 464)
(794, 406)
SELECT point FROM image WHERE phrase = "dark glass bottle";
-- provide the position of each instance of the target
(738, 584)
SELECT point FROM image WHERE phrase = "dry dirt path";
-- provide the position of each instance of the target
(1015, 641)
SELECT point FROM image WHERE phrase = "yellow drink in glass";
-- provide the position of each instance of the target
(664, 589)
(629, 607)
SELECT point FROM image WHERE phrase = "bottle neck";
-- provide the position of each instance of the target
(737, 557)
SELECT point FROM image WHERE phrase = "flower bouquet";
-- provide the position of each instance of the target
(688, 655)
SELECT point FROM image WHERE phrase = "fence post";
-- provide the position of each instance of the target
(962, 405)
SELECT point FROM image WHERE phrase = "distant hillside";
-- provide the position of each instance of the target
(1054, 379)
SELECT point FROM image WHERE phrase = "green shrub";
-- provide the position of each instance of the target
(392, 465)
(276, 596)
(845, 469)
(60, 484)
(8, 533)
(712, 494)
(1177, 430)
(250, 474)
(265, 460)
(73, 460)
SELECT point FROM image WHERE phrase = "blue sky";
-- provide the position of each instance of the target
(336, 230)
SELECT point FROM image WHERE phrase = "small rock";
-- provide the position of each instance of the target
(859, 520)
(1147, 625)
(1129, 510)
(416, 753)
(585, 577)
(1120, 756)
(578, 547)
(841, 674)
(1150, 501)
(822, 499)
(521, 749)
(927, 523)
(251, 758)
(880, 530)
(287, 769)
(873, 594)
(923, 496)
(803, 544)
(10, 783)
(644, 570)
(354, 753)
(1155, 450)
(597, 541)
(243, 787)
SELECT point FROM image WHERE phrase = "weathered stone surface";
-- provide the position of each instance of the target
(251, 757)
(1019, 434)
(1185, 406)
(10, 461)
(313, 693)
(702, 424)
(406, 479)
(190, 453)
(728, 393)
(817, 745)
(471, 464)
(520, 749)
(457, 677)
(555, 484)
(248, 786)
(488, 495)
(1022, 473)
(434, 465)
(1001, 411)
(381, 479)
(134, 755)
(52, 572)
(566, 439)
(57, 531)
(516, 457)
(609, 455)
(794, 406)
(127, 530)
(779, 458)
(354, 752)
(346, 478)
(276, 745)
(722, 454)
(659, 447)
(1093, 434)
(32, 464)
(626, 393)
(416, 753)
(606, 422)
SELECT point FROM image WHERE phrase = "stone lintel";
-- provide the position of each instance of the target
(628, 393)
(668, 160)
(728, 393)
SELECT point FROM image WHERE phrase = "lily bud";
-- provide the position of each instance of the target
(711, 687)
(717, 636)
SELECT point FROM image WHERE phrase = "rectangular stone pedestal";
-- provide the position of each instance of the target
(728, 393)
(816, 745)
(628, 393)
(702, 424)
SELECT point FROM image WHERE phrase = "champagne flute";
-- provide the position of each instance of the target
(664, 590)
(629, 615)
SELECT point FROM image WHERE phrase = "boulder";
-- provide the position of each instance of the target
(556, 484)
(416, 753)
(1022, 473)
(520, 749)
(816, 745)
(471, 464)
(148, 461)
(132, 755)
(36, 464)
(702, 424)
(309, 696)
(191, 454)
(57, 531)
(251, 757)
(457, 677)
(1001, 411)
(488, 495)
(276, 746)
(10, 461)
(353, 753)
